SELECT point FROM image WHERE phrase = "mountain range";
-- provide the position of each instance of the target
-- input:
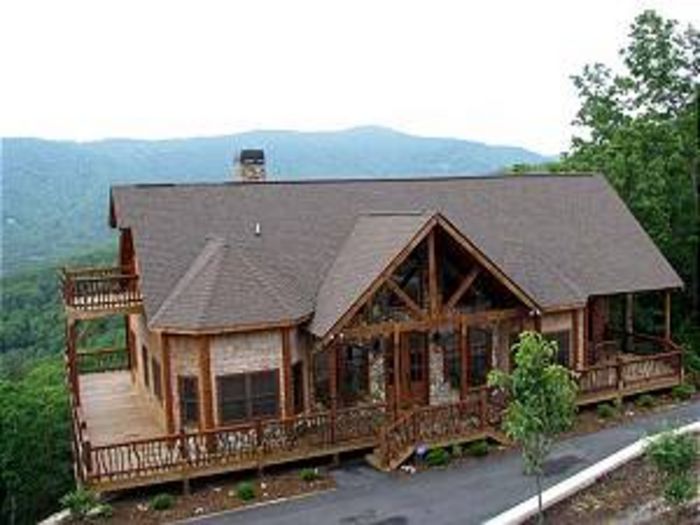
(54, 193)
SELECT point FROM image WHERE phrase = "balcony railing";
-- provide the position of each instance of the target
(90, 289)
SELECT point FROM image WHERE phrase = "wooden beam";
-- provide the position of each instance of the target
(432, 275)
(463, 287)
(397, 369)
(167, 383)
(381, 278)
(410, 303)
(387, 328)
(207, 401)
(629, 322)
(667, 315)
(287, 373)
(485, 262)
(538, 323)
(586, 332)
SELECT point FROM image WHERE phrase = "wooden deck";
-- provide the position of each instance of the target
(114, 411)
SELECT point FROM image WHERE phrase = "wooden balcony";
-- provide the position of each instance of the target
(94, 292)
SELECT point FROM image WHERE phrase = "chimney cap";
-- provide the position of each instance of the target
(252, 156)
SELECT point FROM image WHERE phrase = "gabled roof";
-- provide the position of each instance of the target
(373, 243)
(224, 287)
(559, 238)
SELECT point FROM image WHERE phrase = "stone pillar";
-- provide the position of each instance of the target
(377, 381)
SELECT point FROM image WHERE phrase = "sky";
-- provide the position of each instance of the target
(493, 71)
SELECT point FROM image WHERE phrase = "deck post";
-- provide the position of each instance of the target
(71, 342)
(619, 368)
(667, 315)
(185, 455)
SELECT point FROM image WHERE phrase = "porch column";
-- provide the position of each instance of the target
(167, 383)
(207, 404)
(397, 370)
(464, 359)
(629, 321)
(287, 373)
(667, 315)
(333, 376)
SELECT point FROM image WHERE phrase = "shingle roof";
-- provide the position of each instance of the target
(373, 243)
(560, 238)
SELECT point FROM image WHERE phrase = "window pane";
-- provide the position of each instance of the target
(157, 380)
(189, 400)
(144, 362)
(480, 342)
(264, 392)
(232, 398)
(562, 340)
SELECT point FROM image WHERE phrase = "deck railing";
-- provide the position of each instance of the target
(628, 373)
(247, 445)
(479, 412)
(102, 360)
(96, 288)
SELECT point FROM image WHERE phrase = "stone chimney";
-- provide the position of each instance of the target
(250, 165)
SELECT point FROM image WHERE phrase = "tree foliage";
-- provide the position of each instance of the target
(543, 400)
(35, 456)
(639, 126)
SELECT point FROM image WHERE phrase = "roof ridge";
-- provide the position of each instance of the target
(331, 179)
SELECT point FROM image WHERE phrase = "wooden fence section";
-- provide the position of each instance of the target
(91, 289)
(264, 442)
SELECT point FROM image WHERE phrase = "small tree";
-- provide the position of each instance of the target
(543, 401)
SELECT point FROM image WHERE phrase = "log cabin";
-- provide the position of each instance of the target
(268, 321)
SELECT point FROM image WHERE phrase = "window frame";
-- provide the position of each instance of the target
(557, 336)
(157, 378)
(186, 402)
(248, 400)
(145, 365)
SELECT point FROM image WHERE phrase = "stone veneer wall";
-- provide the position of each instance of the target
(144, 337)
(377, 380)
(441, 391)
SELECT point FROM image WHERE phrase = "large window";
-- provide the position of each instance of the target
(144, 362)
(189, 400)
(480, 346)
(247, 396)
(157, 379)
(563, 342)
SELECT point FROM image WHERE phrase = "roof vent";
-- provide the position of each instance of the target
(249, 165)
(257, 229)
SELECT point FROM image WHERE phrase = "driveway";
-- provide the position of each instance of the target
(466, 494)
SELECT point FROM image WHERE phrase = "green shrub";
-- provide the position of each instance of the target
(162, 501)
(679, 490)
(683, 391)
(79, 502)
(437, 457)
(309, 474)
(606, 411)
(478, 448)
(456, 451)
(673, 454)
(245, 491)
(646, 401)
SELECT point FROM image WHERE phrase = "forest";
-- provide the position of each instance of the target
(637, 125)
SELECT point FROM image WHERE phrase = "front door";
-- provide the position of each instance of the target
(414, 369)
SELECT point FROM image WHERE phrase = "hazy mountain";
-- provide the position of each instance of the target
(54, 193)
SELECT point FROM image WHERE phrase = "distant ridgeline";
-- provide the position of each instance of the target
(55, 192)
